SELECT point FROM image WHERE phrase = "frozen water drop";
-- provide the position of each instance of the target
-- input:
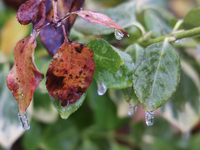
(24, 121)
(132, 110)
(176, 41)
(101, 88)
(149, 118)
(118, 35)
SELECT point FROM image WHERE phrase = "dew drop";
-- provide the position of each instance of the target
(132, 110)
(149, 118)
(24, 121)
(101, 89)
(118, 35)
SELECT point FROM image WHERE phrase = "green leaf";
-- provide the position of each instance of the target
(66, 111)
(105, 56)
(195, 144)
(155, 23)
(123, 15)
(130, 96)
(120, 79)
(10, 128)
(190, 20)
(184, 107)
(32, 137)
(135, 51)
(157, 75)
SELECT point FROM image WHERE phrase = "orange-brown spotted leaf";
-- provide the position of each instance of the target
(24, 77)
(32, 11)
(100, 18)
(70, 73)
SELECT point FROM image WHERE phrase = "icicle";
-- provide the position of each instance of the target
(132, 110)
(24, 121)
(101, 89)
(118, 35)
(149, 118)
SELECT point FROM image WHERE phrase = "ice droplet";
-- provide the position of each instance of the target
(118, 35)
(101, 88)
(149, 118)
(24, 121)
(132, 110)
(176, 41)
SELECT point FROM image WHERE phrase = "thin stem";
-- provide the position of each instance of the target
(55, 11)
(177, 35)
(64, 32)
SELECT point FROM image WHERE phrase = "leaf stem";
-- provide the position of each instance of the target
(55, 10)
(177, 35)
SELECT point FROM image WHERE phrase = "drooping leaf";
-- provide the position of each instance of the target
(66, 111)
(24, 76)
(70, 73)
(10, 35)
(183, 109)
(53, 38)
(32, 11)
(115, 80)
(100, 18)
(10, 128)
(190, 21)
(123, 15)
(157, 75)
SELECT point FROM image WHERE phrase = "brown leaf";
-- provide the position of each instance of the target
(32, 11)
(24, 77)
(100, 18)
(70, 73)
(14, 3)
(55, 37)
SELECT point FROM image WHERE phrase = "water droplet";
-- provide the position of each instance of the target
(132, 110)
(101, 88)
(104, 50)
(24, 121)
(149, 118)
(176, 41)
(118, 35)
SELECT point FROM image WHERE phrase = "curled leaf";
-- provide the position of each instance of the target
(100, 18)
(70, 73)
(24, 77)
(32, 11)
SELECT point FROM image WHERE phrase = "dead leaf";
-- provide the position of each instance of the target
(24, 77)
(53, 38)
(70, 73)
(100, 18)
(32, 11)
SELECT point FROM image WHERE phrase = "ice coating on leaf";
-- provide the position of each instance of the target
(100, 18)
(70, 73)
(24, 77)
(32, 11)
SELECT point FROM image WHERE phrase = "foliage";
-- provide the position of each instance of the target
(156, 68)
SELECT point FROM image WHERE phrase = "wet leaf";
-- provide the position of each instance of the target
(123, 15)
(157, 75)
(53, 38)
(100, 18)
(120, 79)
(190, 21)
(66, 111)
(70, 73)
(32, 11)
(183, 108)
(105, 56)
(11, 33)
(10, 128)
(24, 76)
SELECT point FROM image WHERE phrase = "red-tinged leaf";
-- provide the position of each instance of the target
(100, 18)
(14, 3)
(70, 73)
(24, 77)
(53, 38)
(32, 11)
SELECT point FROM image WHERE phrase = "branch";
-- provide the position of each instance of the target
(177, 35)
